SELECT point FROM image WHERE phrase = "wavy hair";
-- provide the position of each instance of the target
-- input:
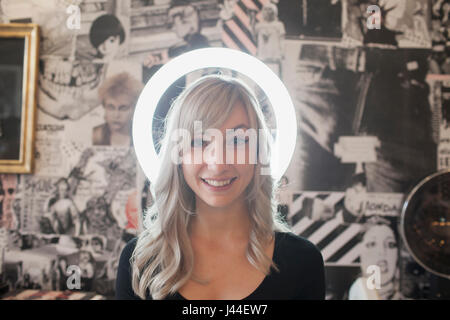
(163, 259)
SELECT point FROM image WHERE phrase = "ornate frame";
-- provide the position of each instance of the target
(29, 32)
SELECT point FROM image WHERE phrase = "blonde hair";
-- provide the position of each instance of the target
(163, 260)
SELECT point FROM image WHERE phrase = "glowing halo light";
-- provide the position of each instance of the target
(256, 70)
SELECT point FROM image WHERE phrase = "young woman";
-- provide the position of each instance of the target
(380, 249)
(213, 231)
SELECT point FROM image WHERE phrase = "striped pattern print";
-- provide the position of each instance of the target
(238, 31)
(339, 243)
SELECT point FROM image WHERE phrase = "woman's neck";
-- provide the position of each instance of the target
(387, 290)
(119, 138)
(212, 224)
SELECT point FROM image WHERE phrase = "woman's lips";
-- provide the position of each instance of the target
(383, 266)
(116, 125)
(218, 187)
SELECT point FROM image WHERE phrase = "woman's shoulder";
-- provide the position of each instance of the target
(124, 290)
(301, 268)
(297, 249)
(291, 241)
(127, 250)
(131, 244)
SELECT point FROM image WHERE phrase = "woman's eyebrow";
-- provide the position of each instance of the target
(240, 126)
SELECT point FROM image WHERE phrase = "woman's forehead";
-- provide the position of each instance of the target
(118, 99)
(238, 117)
(221, 108)
(379, 231)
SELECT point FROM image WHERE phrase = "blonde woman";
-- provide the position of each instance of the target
(213, 232)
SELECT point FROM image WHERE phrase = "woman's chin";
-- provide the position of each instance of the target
(115, 129)
(217, 202)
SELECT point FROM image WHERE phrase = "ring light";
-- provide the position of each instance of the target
(256, 70)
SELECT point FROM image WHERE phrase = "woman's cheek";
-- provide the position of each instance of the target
(186, 158)
(247, 171)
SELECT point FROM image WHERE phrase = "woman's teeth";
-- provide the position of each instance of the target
(216, 183)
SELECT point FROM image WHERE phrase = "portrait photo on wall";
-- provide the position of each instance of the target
(118, 95)
(373, 126)
(354, 231)
(403, 24)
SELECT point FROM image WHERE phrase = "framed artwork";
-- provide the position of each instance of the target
(19, 51)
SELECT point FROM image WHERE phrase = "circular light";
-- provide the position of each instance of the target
(243, 63)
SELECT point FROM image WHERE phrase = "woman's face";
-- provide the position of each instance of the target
(185, 20)
(62, 189)
(118, 113)
(204, 177)
(110, 47)
(379, 248)
(96, 245)
(268, 14)
(84, 257)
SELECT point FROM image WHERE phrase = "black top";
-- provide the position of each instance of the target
(301, 275)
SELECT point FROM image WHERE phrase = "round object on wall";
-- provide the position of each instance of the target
(425, 223)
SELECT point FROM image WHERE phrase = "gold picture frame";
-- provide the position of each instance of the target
(19, 54)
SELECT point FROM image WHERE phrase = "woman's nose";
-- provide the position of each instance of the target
(116, 114)
(213, 154)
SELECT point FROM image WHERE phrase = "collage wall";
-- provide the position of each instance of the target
(372, 122)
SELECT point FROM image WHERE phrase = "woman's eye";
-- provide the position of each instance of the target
(370, 244)
(392, 245)
(198, 143)
(238, 141)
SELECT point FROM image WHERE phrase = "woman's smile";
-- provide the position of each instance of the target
(218, 185)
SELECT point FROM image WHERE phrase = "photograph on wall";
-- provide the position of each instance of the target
(356, 110)
(171, 28)
(90, 199)
(77, 59)
(118, 95)
(10, 201)
(165, 29)
(440, 100)
(270, 33)
(86, 216)
(355, 231)
(403, 24)
(314, 19)
(440, 37)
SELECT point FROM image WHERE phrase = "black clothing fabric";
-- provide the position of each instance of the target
(301, 276)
